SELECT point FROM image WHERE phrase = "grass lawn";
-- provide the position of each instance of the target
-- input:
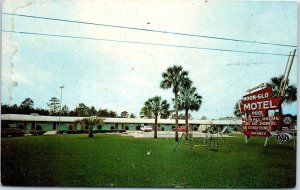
(111, 160)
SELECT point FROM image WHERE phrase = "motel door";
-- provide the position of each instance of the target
(54, 126)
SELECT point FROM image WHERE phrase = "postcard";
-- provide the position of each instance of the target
(149, 94)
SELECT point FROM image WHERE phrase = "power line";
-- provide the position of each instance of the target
(144, 43)
(150, 30)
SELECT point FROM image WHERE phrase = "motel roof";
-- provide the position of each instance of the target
(41, 118)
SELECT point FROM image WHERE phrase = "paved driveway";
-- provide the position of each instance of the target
(163, 134)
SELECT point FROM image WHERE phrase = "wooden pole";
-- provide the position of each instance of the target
(282, 82)
(266, 141)
(256, 87)
(286, 75)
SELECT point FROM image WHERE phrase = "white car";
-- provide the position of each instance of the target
(146, 128)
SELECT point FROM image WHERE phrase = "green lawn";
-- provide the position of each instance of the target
(111, 160)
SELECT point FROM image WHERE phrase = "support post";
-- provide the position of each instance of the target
(266, 141)
(294, 139)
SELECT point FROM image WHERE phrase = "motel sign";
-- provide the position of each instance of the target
(256, 106)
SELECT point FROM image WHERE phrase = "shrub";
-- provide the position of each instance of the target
(71, 132)
(60, 132)
(37, 132)
(86, 131)
(82, 131)
(12, 132)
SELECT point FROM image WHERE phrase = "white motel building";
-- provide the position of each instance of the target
(49, 123)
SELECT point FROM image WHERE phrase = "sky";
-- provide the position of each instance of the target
(122, 76)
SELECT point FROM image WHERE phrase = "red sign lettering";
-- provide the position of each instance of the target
(260, 113)
(258, 95)
(266, 104)
(257, 133)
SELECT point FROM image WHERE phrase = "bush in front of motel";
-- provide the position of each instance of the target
(86, 131)
(12, 132)
(17, 132)
(72, 132)
(37, 132)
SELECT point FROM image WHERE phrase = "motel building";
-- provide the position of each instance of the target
(50, 123)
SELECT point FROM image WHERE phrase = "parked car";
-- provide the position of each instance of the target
(146, 128)
(179, 129)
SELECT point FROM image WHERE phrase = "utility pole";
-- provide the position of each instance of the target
(61, 87)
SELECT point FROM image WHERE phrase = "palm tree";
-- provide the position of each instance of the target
(189, 100)
(89, 122)
(166, 113)
(290, 94)
(175, 77)
(145, 112)
(156, 107)
(75, 123)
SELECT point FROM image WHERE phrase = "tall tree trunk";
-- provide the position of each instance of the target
(186, 123)
(91, 134)
(155, 127)
(176, 116)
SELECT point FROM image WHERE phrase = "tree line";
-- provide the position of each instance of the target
(54, 109)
